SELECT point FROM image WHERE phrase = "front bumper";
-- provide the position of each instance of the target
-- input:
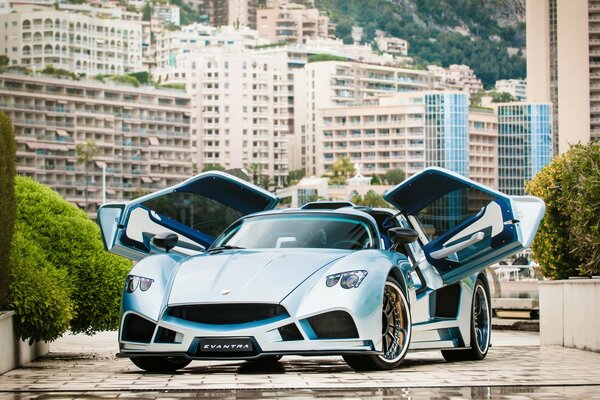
(266, 338)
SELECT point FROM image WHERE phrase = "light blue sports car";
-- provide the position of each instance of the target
(221, 275)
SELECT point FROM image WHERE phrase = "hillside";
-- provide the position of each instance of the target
(473, 32)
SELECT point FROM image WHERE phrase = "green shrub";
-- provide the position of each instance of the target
(568, 240)
(72, 243)
(40, 293)
(7, 202)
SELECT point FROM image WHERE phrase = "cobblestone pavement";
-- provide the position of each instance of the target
(515, 368)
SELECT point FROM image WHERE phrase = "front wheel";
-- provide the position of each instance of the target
(160, 364)
(395, 332)
(481, 328)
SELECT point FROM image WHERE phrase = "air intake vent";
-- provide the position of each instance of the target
(165, 335)
(137, 329)
(333, 325)
(290, 332)
(227, 314)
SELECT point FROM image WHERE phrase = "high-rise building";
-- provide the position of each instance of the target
(143, 136)
(409, 131)
(524, 144)
(563, 66)
(447, 131)
(83, 44)
(240, 107)
(328, 84)
(483, 146)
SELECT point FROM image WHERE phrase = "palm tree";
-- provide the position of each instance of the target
(86, 152)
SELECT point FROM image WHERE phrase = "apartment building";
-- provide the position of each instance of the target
(392, 45)
(483, 146)
(35, 37)
(292, 23)
(516, 87)
(231, 12)
(524, 143)
(143, 136)
(410, 131)
(563, 66)
(322, 85)
(458, 77)
(167, 13)
(240, 107)
(192, 38)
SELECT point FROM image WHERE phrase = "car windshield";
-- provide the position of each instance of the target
(299, 231)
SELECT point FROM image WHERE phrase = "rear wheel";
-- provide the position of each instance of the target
(160, 364)
(481, 328)
(396, 331)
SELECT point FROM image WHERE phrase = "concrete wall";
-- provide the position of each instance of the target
(570, 313)
(13, 352)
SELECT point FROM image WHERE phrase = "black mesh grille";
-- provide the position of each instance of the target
(333, 325)
(290, 332)
(137, 329)
(227, 314)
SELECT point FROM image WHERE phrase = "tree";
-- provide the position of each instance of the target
(341, 169)
(502, 97)
(375, 180)
(7, 200)
(394, 176)
(4, 60)
(568, 240)
(295, 176)
(256, 171)
(86, 152)
(370, 199)
(147, 12)
(213, 167)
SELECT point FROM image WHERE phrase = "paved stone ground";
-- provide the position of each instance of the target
(515, 368)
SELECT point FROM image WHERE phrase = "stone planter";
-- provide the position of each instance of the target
(570, 313)
(13, 352)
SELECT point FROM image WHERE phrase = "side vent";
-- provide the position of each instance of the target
(446, 301)
(137, 329)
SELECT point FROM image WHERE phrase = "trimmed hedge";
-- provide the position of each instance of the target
(8, 147)
(40, 293)
(70, 244)
(568, 240)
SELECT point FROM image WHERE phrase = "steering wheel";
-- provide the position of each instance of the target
(347, 244)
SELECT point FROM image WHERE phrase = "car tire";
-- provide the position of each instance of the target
(396, 332)
(160, 364)
(481, 328)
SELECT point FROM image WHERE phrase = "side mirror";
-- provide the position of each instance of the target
(165, 240)
(400, 236)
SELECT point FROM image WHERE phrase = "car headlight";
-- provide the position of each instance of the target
(348, 280)
(134, 281)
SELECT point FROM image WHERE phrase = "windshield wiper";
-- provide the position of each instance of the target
(225, 247)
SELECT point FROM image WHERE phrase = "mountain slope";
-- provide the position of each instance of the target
(473, 32)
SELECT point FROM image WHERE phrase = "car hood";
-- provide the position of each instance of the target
(246, 276)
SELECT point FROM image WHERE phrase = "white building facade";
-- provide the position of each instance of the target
(37, 37)
(240, 108)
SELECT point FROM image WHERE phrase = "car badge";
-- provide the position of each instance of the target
(225, 291)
